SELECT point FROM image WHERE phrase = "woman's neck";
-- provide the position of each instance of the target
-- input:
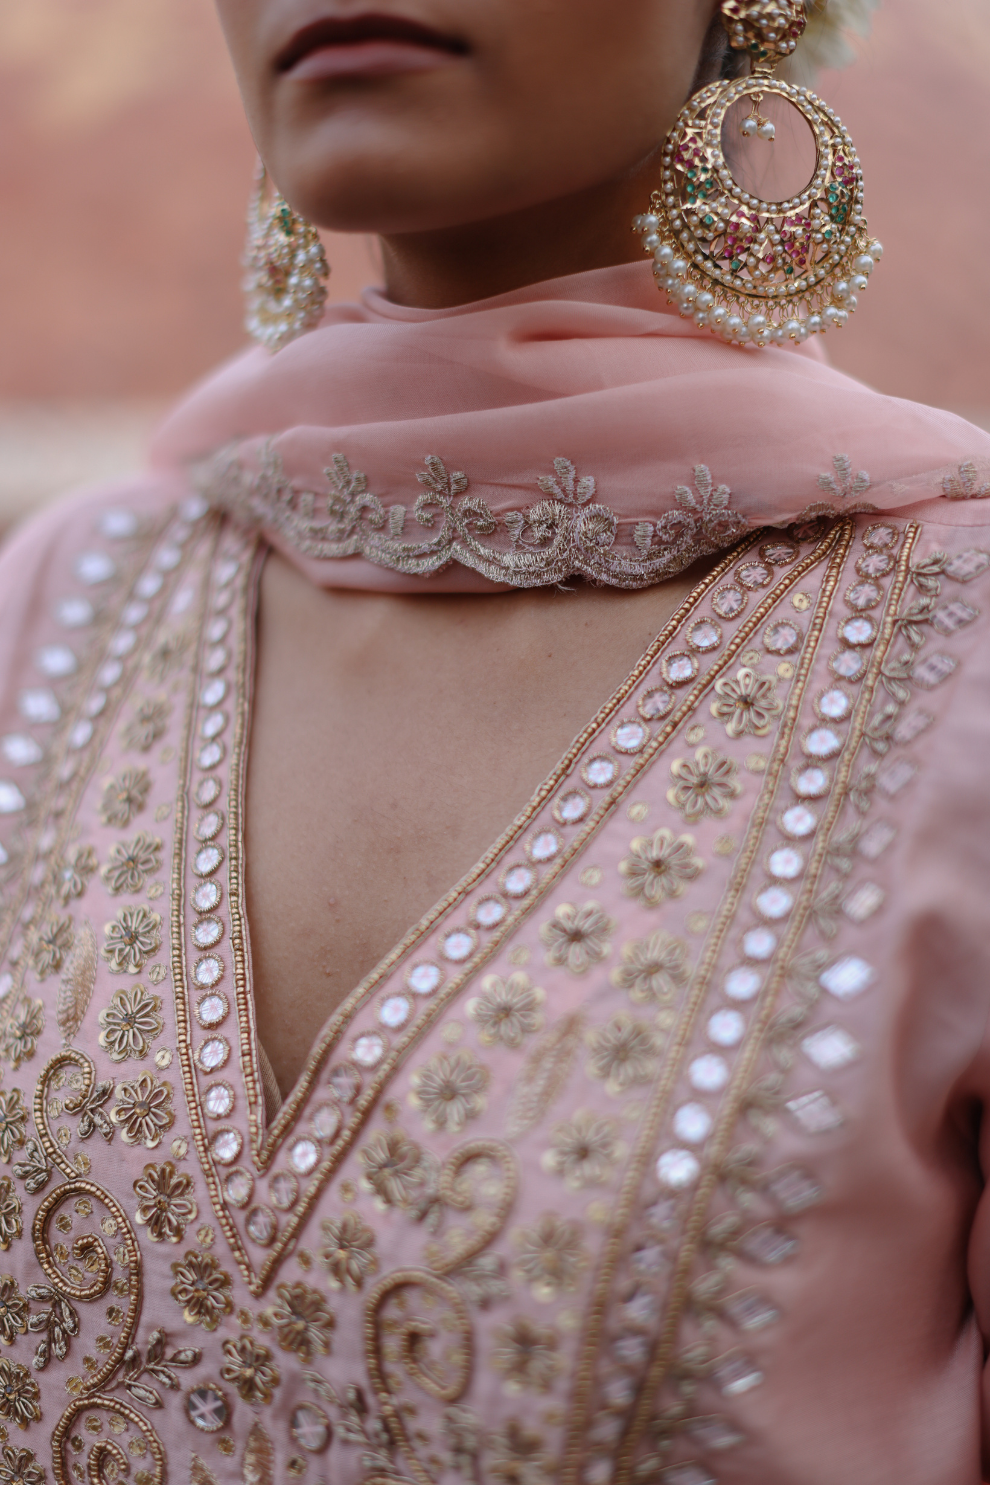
(460, 265)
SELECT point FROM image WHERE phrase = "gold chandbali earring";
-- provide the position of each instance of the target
(286, 270)
(753, 271)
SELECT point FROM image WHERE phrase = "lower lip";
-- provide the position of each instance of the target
(369, 59)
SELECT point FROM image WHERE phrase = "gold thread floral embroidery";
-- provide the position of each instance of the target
(13, 1310)
(13, 1119)
(745, 703)
(525, 1355)
(130, 862)
(20, 1467)
(506, 1010)
(167, 656)
(251, 1369)
(393, 1167)
(660, 866)
(58, 1321)
(72, 877)
(551, 1256)
(624, 1052)
(348, 1251)
(20, 1396)
(26, 1025)
(165, 1202)
(203, 1289)
(53, 943)
(547, 542)
(577, 937)
(583, 1150)
(131, 939)
(10, 1213)
(653, 968)
(147, 725)
(303, 1321)
(35, 1171)
(449, 1090)
(517, 1457)
(125, 796)
(130, 1023)
(705, 787)
(143, 1111)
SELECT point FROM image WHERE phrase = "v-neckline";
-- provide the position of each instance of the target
(260, 1208)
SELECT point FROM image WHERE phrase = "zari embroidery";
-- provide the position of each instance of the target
(561, 536)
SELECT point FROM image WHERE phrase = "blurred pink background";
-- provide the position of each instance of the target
(125, 166)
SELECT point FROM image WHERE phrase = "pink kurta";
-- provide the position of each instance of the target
(651, 1154)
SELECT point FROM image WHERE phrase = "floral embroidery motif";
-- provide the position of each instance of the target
(147, 725)
(53, 943)
(583, 1150)
(165, 1202)
(745, 703)
(20, 1467)
(623, 1053)
(577, 937)
(526, 1355)
(167, 656)
(963, 485)
(393, 1167)
(125, 796)
(842, 483)
(203, 1289)
(130, 1023)
(26, 1025)
(130, 862)
(71, 878)
(251, 1369)
(348, 1251)
(506, 1010)
(660, 866)
(58, 1322)
(551, 1256)
(449, 1090)
(653, 968)
(705, 787)
(303, 1321)
(13, 1119)
(558, 537)
(10, 1213)
(13, 1310)
(517, 1457)
(35, 1170)
(89, 1108)
(143, 1111)
(20, 1396)
(131, 939)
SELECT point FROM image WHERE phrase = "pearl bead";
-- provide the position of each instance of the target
(718, 315)
(841, 318)
(766, 130)
(792, 329)
(757, 322)
(700, 316)
(688, 293)
(841, 290)
(864, 264)
(679, 267)
(663, 254)
(850, 302)
(830, 317)
(778, 335)
(733, 324)
(638, 224)
(650, 222)
(876, 250)
(705, 300)
(651, 242)
(748, 127)
(858, 282)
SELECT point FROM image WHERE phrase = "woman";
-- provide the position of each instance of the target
(641, 669)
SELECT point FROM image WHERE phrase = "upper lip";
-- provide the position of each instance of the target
(371, 26)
